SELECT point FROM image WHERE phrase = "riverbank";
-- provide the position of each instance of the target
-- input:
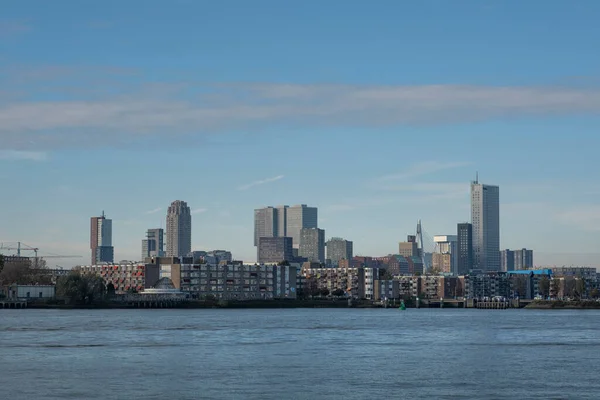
(204, 304)
(562, 305)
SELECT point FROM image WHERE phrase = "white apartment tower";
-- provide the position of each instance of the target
(179, 229)
(485, 218)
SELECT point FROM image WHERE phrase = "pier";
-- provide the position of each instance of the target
(13, 304)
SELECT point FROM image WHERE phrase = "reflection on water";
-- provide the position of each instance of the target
(299, 354)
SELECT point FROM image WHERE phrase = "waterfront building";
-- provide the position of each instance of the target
(101, 240)
(179, 229)
(490, 284)
(357, 283)
(125, 277)
(445, 257)
(485, 217)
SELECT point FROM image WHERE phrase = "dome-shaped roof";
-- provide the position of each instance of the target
(164, 283)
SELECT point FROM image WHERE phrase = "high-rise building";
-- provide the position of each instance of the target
(312, 244)
(445, 258)
(284, 221)
(410, 248)
(465, 248)
(507, 260)
(523, 259)
(179, 229)
(101, 240)
(339, 249)
(485, 217)
(514, 260)
(275, 249)
(265, 223)
(153, 245)
(297, 218)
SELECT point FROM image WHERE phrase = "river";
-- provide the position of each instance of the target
(299, 354)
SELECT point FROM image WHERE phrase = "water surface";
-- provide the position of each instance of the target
(300, 354)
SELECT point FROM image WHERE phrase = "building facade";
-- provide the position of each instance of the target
(101, 240)
(124, 277)
(179, 229)
(312, 244)
(153, 245)
(445, 257)
(284, 221)
(485, 217)
(409, 248)
(275, 250)
(523, 259)
(464, 244)
(339, 249)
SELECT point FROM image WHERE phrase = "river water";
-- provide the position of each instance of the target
(299, 354)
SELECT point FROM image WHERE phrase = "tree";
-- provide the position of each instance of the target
(1, 263)
(324, 292)
(544, 286)
(284, 263)
(580, 288)
(388, 276)
(556, 283)
(80, 289)
(110, 289)
(338, 292)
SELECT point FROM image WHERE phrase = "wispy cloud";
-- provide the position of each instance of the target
(17, 155)
(154, 211)
(423, 168)
(261, 182)
(134, 115)
(199, 210)
(11, 28)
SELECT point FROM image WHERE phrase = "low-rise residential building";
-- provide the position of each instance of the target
(30, 292)
(124, 277)
(490, 284)
(357, 283)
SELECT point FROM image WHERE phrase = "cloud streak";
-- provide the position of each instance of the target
(261, 182)
(154, 211)
(424, 168)
(199, 211)
(16, 155)
(195, 109)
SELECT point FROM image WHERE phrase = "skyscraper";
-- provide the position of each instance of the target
(339, 249)
(523, 259)
(101, 240)
(153, 245)
(284, 221)
(485, 217)
(179, 229)
(312, 244)
(464, 233)
(297, 218)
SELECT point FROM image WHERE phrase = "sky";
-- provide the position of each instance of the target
(378, 113)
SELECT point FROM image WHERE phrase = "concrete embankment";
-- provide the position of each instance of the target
(564, 305)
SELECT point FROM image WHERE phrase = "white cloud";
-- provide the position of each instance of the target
(154, 211)
(132, 117)
(17, 155)
(423, 168)
(261, 182)
(199, 210)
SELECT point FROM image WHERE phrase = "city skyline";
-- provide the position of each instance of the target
(361, 121)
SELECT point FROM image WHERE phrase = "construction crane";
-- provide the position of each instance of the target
(25, 247)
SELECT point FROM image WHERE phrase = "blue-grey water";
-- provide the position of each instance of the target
(299, 354)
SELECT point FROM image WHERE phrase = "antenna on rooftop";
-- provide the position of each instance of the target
(476, 176)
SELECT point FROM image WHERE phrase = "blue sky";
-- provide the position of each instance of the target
(379, 113)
